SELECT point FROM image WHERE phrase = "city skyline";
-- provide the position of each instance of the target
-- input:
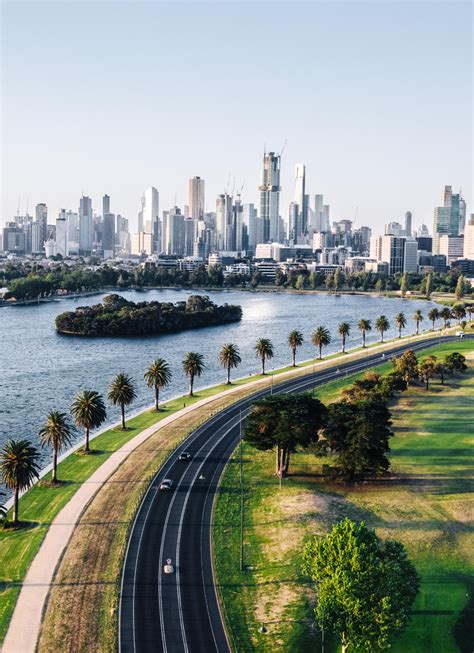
(366, 128)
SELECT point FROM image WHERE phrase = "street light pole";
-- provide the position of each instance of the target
(241, 498)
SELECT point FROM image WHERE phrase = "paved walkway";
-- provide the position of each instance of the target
(25, 624)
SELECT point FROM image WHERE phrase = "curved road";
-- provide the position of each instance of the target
(179, 613)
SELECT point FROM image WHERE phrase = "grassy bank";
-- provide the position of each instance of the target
(426, 505)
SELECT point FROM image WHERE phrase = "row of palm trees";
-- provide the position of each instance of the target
(18, 459)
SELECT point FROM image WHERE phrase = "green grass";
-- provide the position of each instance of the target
(426, 509)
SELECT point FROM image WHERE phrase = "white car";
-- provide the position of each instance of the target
(166, 484)
(168, 567)
(459, 334)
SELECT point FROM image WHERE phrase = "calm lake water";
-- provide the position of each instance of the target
(41, 370)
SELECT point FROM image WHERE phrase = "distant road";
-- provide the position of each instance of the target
(179, 613)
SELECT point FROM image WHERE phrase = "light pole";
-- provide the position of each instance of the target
(271, 390)
(241, 498)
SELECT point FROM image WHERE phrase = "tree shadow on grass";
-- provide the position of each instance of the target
(464, 626)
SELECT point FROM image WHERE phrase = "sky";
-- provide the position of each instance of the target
(375, 98)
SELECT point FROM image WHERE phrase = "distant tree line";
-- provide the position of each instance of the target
(117, 316)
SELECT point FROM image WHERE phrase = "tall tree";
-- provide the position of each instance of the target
(458, 312)
(428, 369)
(56, 433)
(382, 325)
(284, 423)
(433, 315)
(365, 588)
(401, 322)
(18, 468)
(364, 326)
(418, 317)
(295, 340)
(407, 366)
(344, 330)
(229, 357)
(321, 338)
(158, 375)
(445, 314)
(264, 351)
(338, 279)
(459, 292)
(193, 365)
(88, 411)
(428, 285)
(404, 284)
(122, 393)
(455, 362)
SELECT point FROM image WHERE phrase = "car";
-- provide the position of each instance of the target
(185, 455)
(459, 334)
(168, 567)
(166, 484)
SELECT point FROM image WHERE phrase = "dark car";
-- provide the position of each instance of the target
(185, 456)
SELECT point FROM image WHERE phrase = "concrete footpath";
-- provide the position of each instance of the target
(25, 625)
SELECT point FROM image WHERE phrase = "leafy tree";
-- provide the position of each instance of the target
(295, 340)
(459, 292)
(433, 315)
(404, 285)
(122, 393)
(428, 286)
(88, 411)
(428, 369)
(407, 366)
(158, 375)
(338, 279)
(365, 588)
(284, 423)
(300, 282)
(364, 326)
(344, 330)
(193, 365)
(455, 362)
(329, 282)
(401, 322)
(358, 434)
(379, 286)
(418, 317)
(445, 314)
(229, 357)
(264, 351)
(458, 312)
(18, 468)
(56, 433)
(382, 325)
(321, 338)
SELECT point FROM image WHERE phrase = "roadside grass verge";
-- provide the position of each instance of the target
(40, 505)
(426, 504)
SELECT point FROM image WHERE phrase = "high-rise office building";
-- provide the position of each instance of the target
(408, 224)
(40, 228)
(249, 220)
(196, 198)
(108, 235)
(173, 232)
(270, 196)
(449, 218)
(150, 214)
(62, 233)
(469, 238)
(86, 226)
(410, 255)
(105, 205)
(301, 200)
(224, 219)
(236, 240)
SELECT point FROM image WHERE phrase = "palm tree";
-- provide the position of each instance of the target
(56, 432)
(122, 392)
(157, 376)
(433, 315)
(229, 357)
(445, 314)
(88, 411)
(18, 468)
(382, 325)
(264, 351)
(193, 365)
(418, 317)
(295, 340)
(344, 330)
(364, 326)
(401, 322)
(458, 312)
(321, 338)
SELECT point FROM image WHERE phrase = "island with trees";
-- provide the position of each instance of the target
(117, 316)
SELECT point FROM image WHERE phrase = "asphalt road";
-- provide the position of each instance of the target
(179, 612)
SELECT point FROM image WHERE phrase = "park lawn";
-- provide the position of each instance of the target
(426, 505)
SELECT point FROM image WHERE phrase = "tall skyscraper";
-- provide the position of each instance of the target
(105, 205)
(173, 232)
(62, 233)
(108, 235)
(40, 231)
(448, 219)
(86, 226)
(249, 220)
(224, 219)
(150, 210)
(301, 200)
(236, 243)
(408, 224)
(469, 238)
(270, 196)
(196, 198)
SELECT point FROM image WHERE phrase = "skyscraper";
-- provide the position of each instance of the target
(196, 198)
(150, 212)
(448, 219)
(408, 225)
(301, 200)
(469, 239)
(62, 233)
(270, 196)
(105, 205)
(86, 226)
(40, 232)
(249, 220)
(224, 219)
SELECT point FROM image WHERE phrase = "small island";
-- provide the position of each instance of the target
(117, 316)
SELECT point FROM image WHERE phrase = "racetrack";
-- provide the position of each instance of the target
(179, 612)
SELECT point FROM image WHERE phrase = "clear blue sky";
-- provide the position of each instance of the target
(112, 97)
